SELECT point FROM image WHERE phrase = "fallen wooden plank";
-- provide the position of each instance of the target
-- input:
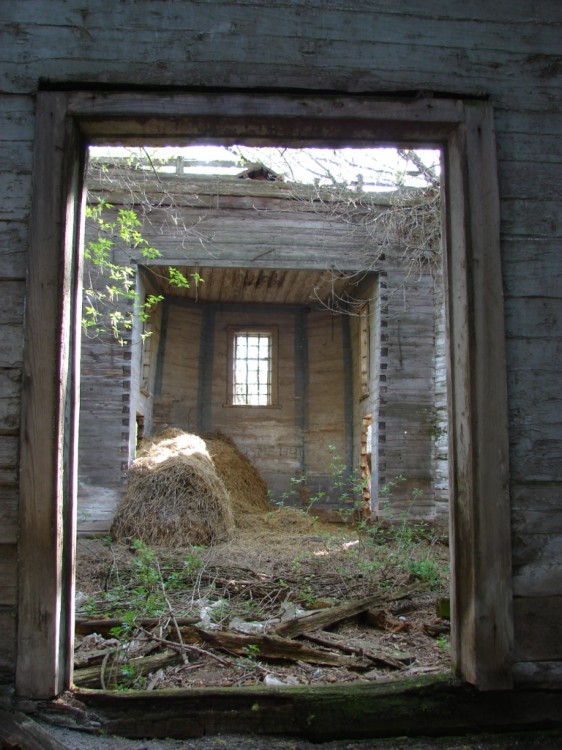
(107, 674)
(274, 647)
(330, 641)
(326, 617)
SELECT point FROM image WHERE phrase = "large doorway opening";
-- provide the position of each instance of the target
(294, 294)
(480, 551)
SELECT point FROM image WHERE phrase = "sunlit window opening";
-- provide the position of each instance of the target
(251, 365)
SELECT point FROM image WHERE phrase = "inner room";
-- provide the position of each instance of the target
(286, 308)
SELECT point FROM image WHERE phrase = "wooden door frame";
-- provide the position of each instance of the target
(66, 122)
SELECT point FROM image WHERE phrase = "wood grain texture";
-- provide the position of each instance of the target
(8, 575)
(290, 45)
(46, 526)
(8, 514)
(507, 51)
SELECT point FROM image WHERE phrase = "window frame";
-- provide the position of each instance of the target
(232, 332)
(480, 539)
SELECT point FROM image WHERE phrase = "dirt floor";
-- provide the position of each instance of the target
(287, 600)
(72, 740)
(208, 616)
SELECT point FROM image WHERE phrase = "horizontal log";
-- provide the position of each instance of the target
(13, 248)
(8, 574)
(542, 497)
(537, 580)
(8, 514)
(8, 641)
(531, 549)
(543, 521)
(10, 390)
(15, 196)
(11, 312)
(352, 711)
(538, 674)
(11, 345)
(533, 317)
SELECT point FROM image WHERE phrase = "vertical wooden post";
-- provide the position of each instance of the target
(49, 413)
(482, 638)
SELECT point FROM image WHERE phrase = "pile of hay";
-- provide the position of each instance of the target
(174, 495)
(247, 490)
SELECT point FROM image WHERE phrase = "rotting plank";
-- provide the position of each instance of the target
(419, 706)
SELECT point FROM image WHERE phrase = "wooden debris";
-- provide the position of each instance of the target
(381, 619)
(326, 617)
(330, 640)
(276, 648)
(435, 629)
(108, 673)
(105, 626)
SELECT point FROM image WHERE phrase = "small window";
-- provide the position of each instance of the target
(251, 367)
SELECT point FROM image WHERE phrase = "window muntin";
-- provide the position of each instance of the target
(251, 367)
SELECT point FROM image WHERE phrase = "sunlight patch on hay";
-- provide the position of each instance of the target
(185, 490)
(174, 495)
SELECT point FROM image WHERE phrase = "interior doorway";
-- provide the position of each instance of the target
(477, 418)
(335, 320)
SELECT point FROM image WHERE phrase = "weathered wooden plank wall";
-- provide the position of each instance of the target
(230, 222)
(411, 415)
(508, 51)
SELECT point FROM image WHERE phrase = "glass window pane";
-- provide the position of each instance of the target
(252, 368)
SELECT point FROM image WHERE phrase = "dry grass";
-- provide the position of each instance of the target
(184, 490)
(247, 490)
(174, 495)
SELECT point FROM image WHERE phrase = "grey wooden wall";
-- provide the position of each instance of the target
(226, 222)
(508, 51)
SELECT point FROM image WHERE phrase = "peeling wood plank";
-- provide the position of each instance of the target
(107, 675)
(326, 617)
